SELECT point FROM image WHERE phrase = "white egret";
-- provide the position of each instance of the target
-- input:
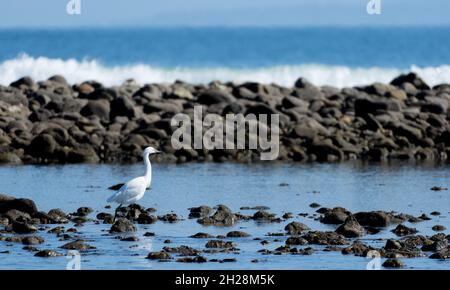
(134, 190)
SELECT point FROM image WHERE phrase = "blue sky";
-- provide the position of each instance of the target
(52, 13)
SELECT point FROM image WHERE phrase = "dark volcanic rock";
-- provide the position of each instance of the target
(222, 217)
(77, 245)
(402, 230)
(373, 219)
(337, 215)
(393, 263)
(48, 253)
(237, 234)
(201, 211)
(202, 236)
(122, 225)
(219, 244)
(295, 228)
(159, 256)
(350, 228)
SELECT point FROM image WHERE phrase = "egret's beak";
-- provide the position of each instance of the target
(158, 152)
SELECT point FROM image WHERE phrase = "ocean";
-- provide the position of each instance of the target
(341, 57)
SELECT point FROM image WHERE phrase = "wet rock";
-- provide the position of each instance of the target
(435, 213)
(295, 228)
(222, 217)
(23, 228)
(402, 230)
(436, 246)
(202, 236)
(83, 211)
(440, 255)
(199, 212)
(350, 228)
(77, 245)
(122, 225)
(20, 204)
(393, 263)
(197, 259)
(130, 239)
(48, 253)
(337, 215)
(219, 244)
(325, 238)
(159, 256)
(237, 234)
(149, 234)
(393, 245)
(146, 218)
(263, 215)
(170, 217)
(438, 188)
(373, 219)
(438, 228)
(358, 249)
(314, 205)
(32, 240)
(296, 241)
(182, 250)
(287, 215)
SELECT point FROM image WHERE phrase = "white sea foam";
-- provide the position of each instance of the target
(41, 68)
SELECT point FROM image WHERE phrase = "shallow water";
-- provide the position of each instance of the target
(401, 187)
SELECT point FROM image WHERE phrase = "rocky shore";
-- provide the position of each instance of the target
(349, 232)
(54, 122)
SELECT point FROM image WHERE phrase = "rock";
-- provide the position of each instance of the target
(438, 188)
(393, 245)
(337, 215)
(32, 240)
(129, 239)
(197, 259)
(219, 244)
(48, 253)
(202, 236)
(237, 234)
(122, 106)
(402, 230)
(325, 238)
(393, 263)
(84, 211)
(182, 250)
(146, 218)
(99, 108)
(314, 205)
(436, 246)
(159, 256)
(350, 228)
(263, 215)
(373, 219)
(199, 212)
(23, 228)
(170, 217)
(222, 217)
(296, 241)
(411, 78)
(295, 228)
(122, 225)
(20, 204)
(214, 97)
(438, 228)
(77, 245)
(440, 255)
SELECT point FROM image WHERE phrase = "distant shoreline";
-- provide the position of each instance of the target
(53, 122)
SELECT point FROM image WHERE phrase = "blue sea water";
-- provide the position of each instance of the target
(326, 55)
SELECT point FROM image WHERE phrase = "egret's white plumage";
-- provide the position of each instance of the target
(134, 190)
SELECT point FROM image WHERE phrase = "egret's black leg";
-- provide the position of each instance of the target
(115, 213)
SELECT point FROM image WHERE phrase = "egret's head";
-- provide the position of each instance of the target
(150, 151)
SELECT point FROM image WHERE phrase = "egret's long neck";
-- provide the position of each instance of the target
(148, 169)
